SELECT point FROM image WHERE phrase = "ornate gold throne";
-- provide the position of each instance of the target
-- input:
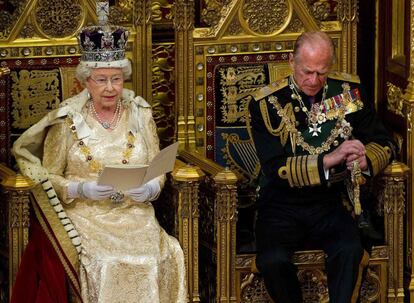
(238, 47)
(220, 53)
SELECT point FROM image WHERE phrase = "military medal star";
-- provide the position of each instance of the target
(314, 129)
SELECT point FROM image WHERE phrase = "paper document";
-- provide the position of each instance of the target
(124, 177)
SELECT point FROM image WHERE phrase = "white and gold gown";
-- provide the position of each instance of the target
(126, 256)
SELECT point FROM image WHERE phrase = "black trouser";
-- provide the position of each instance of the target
(282, 229)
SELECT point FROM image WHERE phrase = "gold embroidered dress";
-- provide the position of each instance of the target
(125, 255)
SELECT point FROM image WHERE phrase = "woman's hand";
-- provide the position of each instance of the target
(147, 192)
(90, 190)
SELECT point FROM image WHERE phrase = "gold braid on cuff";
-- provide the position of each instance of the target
(301, 171)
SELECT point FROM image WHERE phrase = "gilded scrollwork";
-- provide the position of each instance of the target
(379, 252)
(321, 9)
(371, 287)
(234, 28)
(34, 93)
(395, 99)
(162, 11)
(212, 12)
(121, 12)
(163, 91)
(314, 285)
(309, 257)
(19, 209)
(253, 289)
(394, 203)
(27, 31)
(226, 203)
(180, 9)
(213, 15)
(9, 15)
(295, 25)
(58, 18)
(266, 17)
(347, 10)
(5, 21)
(244, 261)
(116, 15)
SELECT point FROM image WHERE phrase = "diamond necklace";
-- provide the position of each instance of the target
(115, 118)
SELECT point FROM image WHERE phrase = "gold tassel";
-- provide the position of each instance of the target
(357, 179)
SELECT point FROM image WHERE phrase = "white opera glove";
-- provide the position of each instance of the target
(148, 192)
(89, 190)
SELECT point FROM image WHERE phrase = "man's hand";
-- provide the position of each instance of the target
(363, 164)
(348, 151)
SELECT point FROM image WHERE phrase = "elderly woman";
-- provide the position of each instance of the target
(124, 254)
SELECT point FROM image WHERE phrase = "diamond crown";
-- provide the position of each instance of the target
(103, 43)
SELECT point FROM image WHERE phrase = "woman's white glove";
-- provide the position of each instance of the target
(148, 192)
(89, 190)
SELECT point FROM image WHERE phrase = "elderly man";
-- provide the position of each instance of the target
(308, 129)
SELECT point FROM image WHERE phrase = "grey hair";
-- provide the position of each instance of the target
(83, 71)
(313, 38)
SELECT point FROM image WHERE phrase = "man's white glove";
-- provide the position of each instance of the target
(89, 190)
(145, 193)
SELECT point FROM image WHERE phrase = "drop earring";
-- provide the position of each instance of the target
(89, 96)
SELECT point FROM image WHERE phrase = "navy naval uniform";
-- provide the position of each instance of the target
(299, 202)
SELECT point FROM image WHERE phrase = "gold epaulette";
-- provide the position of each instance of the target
(344, 77)
(270, 89)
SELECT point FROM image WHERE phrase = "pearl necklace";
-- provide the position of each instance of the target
(115, 118)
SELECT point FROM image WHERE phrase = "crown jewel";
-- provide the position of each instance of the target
(103, 45)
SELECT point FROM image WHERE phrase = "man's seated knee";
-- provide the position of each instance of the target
(273, 261)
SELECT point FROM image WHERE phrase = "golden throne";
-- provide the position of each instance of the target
(38, 55)
(239, 47)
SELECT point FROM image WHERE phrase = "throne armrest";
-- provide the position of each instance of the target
(393, 204)
(212, 194)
